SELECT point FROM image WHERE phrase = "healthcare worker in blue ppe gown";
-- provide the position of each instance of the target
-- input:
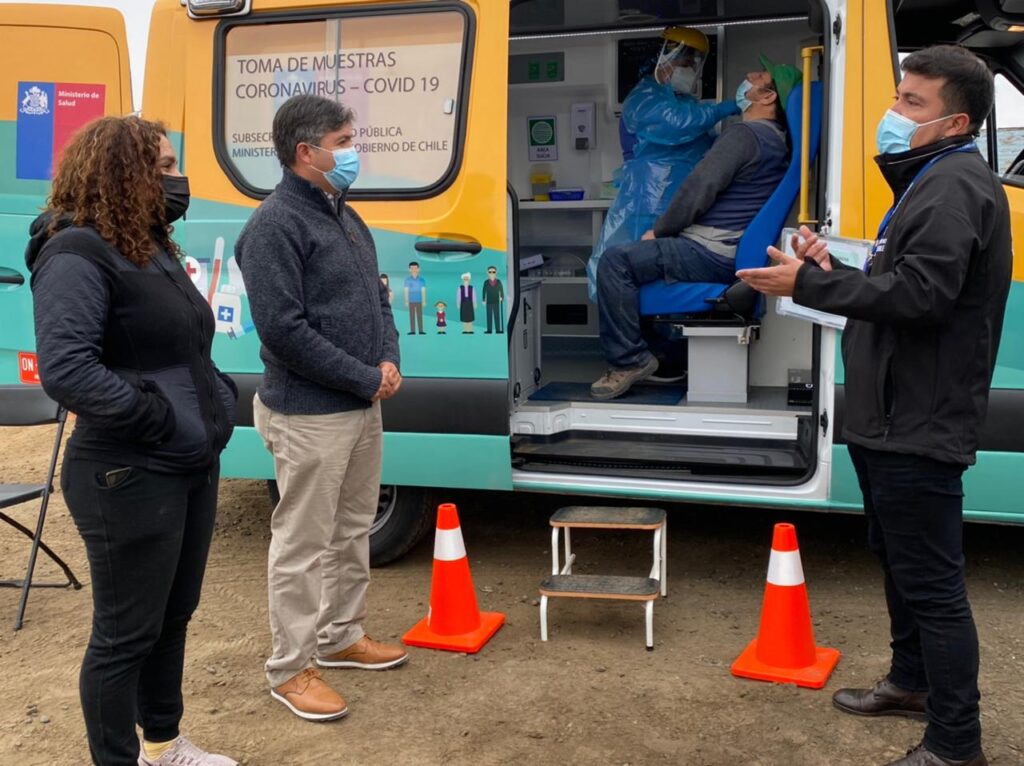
(672, 130)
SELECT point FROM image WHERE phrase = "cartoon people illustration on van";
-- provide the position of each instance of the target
(442, 317)
(415, 296)
(387, 286)
(494, 301)
(466, 301)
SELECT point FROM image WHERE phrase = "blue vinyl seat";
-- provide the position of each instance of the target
(700, 298)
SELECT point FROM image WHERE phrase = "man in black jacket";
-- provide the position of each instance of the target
(925, 318)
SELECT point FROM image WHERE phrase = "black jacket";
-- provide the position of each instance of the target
(127, 349)
(920, 346)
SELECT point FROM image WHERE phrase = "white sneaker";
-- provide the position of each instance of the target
(184, 753)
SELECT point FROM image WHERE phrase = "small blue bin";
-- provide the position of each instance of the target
(566, 195)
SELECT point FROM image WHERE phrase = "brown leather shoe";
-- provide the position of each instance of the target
(922, 756)
(366, 654)
(885, 698)
(309, 697)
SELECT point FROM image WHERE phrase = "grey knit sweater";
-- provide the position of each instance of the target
(320, 310)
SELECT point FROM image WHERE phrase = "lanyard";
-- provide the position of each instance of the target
(884, 226)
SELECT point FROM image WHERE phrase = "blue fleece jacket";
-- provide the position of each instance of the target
(321, 312)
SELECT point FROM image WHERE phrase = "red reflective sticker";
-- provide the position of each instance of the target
(28, 367)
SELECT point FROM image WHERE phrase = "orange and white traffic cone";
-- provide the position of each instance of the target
(784, 650)
(454, 621)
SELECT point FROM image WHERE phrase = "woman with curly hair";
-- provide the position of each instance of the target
(124, 340)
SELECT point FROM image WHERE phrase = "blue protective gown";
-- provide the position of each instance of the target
(672, 134)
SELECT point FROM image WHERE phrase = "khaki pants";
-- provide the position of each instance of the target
(318, 568)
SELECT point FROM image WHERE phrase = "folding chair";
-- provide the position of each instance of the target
(30, 406)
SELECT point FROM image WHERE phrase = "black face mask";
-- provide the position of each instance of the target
(176, 197)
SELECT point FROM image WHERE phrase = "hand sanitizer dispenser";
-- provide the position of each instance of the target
(581, 122)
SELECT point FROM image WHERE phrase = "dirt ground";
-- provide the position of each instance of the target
(591, 695)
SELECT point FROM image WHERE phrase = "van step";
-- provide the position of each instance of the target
(601, 586)
(605, 517)
(670, 457)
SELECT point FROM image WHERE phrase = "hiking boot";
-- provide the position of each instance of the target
(309, 697)
(366, 654)
(616, 380)
(922, 756)
(184, 753)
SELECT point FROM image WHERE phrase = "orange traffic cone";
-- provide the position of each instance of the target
(454, 621)
(784, 649)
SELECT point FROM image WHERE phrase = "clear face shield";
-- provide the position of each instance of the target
(680, 65)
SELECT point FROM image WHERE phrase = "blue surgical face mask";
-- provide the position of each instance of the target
(895, 132)
(741, 95)
(345, 170)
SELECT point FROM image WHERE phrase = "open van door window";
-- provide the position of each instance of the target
(1003, 134)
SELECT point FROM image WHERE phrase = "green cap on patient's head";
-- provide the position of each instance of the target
(784, 76)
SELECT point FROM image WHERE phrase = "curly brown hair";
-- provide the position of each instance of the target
(109, 178)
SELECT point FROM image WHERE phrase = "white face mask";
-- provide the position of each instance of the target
(683, 79)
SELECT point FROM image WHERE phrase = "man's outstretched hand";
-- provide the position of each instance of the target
(779, 279)
(806, 244)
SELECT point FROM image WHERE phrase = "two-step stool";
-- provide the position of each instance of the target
(564, 584)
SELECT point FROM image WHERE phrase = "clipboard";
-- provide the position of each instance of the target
(851, 252)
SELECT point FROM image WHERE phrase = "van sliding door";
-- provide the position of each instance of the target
(426, 81)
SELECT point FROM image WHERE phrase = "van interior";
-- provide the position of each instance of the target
(735, 399)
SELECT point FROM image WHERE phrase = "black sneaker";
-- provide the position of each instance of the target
(922, 756)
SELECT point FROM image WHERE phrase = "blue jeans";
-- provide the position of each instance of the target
(623, 269)
(914, 508)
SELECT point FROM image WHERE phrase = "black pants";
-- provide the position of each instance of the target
(494, 316)
(914, 507)
(147, 540)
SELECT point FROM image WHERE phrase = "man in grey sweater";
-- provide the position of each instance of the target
(330, 352)
(695, 239)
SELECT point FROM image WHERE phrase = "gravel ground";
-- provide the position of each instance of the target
(591, 695)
